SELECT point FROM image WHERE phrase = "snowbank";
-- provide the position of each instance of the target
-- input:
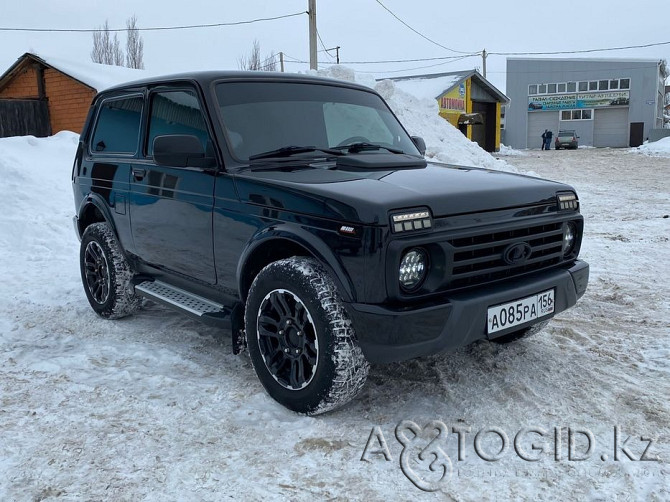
(420, 116)
(36, 208)
(508, 151)
(660, 148)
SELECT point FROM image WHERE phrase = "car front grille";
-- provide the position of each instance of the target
(478, 259)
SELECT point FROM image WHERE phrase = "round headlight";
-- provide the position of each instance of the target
(569, 238)
(413, 268)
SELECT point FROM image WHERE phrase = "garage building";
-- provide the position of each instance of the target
(41, 96)
(608, 102)
(466, 99)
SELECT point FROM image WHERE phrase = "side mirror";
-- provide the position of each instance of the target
(179, 150)
(420, 144)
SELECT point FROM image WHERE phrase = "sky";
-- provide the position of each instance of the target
(363, 29)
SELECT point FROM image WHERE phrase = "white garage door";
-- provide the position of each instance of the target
(537, 123)
(610, 127)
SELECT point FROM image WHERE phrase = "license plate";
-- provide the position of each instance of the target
(520, 311)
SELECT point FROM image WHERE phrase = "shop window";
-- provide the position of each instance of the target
(576, 114)
(551, 88)
(561, 88)
(572, 86)
(583, 86)
(542, 89)
(624, 83)
(532, 89)
(614, 84)
(593, 85)
(603, 85)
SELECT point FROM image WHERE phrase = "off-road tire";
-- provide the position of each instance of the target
(340, 370)
(117, 298)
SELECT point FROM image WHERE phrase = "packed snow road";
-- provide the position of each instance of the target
(156, 407)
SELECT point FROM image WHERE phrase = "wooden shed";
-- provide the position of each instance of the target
(41, 96)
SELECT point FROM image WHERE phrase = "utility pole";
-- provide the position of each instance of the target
(337, 54)
(484, 55)
(281, 61)
(313, 62)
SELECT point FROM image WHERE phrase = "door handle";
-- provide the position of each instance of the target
(138, 173)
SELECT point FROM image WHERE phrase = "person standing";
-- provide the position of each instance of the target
(544, 139)
(547, 140)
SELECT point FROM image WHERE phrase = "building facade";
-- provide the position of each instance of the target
(465, 99)
(608, 102)
(43, 99)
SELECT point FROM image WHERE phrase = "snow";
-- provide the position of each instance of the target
(156, 407)
(97, 76)
(508, 151)
(660, 148)
(428, 87)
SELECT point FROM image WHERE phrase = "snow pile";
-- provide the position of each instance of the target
(660, 148)
(508, 151)
(428, 88)
(420, 116)
(36, 208)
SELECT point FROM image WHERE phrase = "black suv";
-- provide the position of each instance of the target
(297, 212)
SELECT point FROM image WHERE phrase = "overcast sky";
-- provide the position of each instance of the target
(362, 28)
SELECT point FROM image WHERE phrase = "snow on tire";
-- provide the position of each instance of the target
(301, 341)
(106, 274)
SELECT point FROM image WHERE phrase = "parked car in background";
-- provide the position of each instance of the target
(566, 139)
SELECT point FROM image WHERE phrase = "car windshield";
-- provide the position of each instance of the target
(263, 117)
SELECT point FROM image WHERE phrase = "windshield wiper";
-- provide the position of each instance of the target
(287, 151)
(359, 147)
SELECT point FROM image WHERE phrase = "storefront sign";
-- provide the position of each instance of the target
(574, 101)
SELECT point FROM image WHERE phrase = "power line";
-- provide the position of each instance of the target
(419, 33)
(584, 51)
(420, 67)
(155, 28)
(323, 45)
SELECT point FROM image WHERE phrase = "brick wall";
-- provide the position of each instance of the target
(69, 101)
(23, 85)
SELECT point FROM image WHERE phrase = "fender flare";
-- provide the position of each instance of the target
(315, 246)
(99, 203)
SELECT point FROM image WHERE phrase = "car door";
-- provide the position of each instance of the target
(114, 147)
(171, 207)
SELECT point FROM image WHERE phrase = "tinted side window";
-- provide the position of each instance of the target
(176, 112)
(118, 126)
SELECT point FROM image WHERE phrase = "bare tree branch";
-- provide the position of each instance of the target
(255, 62)
(134, 45)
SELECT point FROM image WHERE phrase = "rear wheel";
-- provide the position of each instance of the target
(106, 274)
(301, 341)
(522, 333)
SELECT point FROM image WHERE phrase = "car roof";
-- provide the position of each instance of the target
(205, 78)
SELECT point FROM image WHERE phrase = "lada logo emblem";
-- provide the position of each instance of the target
(517, 253)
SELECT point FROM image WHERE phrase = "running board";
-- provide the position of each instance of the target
(172, 296)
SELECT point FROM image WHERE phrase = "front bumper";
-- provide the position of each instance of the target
(389, 334)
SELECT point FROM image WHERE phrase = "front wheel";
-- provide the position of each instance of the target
(106, 274)
(301, 340)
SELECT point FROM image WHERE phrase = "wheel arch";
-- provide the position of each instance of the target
(283, 242)
(93, 210)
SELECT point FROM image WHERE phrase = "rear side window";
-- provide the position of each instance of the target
(176, 112)
(118, 127)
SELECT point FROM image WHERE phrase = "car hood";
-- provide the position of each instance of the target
(367, 197)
